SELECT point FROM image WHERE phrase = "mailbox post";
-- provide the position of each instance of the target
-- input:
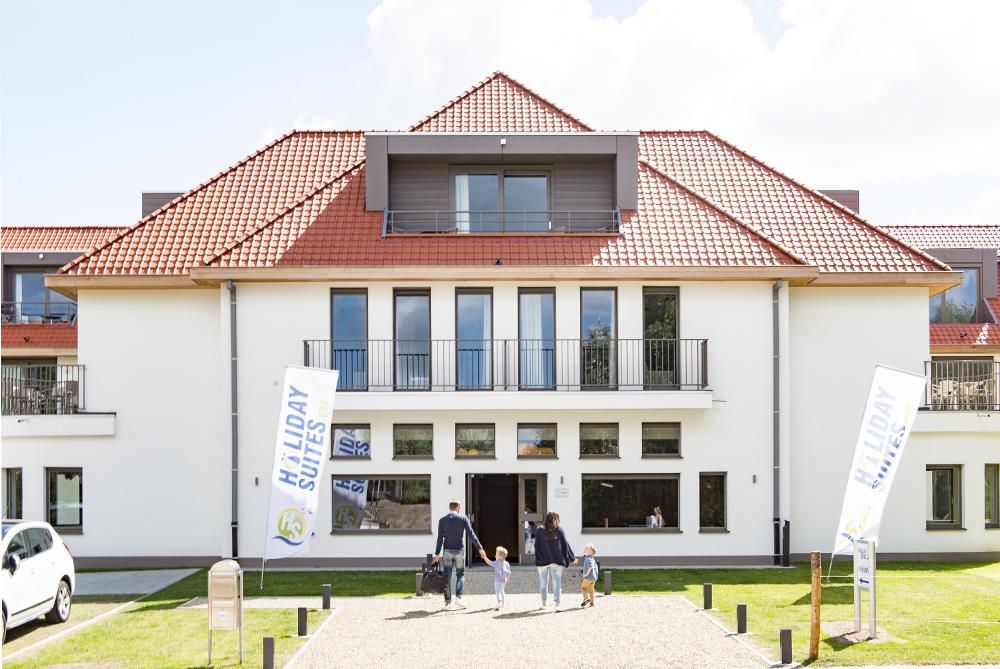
(225, 600)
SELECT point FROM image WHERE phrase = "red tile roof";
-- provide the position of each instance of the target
(965, 334)
(38, 335)
(63, 238)
(949, 236)
(300, 201)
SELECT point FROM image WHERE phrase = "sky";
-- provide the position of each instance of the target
(102, 100)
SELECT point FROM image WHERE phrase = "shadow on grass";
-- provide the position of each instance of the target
(832, 594)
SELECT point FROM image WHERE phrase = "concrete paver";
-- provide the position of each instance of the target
(128, 582)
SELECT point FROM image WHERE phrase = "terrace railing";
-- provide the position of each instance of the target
(502, 222)
(33, 389)
(963, 385)
(38, 312)
(513, 364)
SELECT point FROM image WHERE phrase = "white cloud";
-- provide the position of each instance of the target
(863, 93)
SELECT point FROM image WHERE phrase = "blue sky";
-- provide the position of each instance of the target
(100, 101)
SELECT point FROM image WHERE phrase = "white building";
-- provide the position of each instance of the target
(527, 315)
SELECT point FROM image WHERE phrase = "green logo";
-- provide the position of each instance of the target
(291, 526)
(347, 516)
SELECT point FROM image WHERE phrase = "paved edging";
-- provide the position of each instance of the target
(738, 637)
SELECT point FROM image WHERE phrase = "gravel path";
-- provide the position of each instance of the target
(621, 631)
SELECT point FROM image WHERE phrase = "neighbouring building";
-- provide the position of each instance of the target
(528, 314)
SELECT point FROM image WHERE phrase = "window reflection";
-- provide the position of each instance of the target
(958, 304)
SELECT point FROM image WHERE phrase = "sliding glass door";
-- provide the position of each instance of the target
(660, 354)
(350, 338)
(413, 340)
(598, 336)
(474, 338)
(536, 338)
(477, 202)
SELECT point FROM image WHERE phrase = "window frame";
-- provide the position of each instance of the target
(384, 477)
(995, 502)
(501, 171)
(491, 426)
(396, 456)
(63, 529)
(350, 426)
(676, 476)
(8, 491)
(538, 290)
(476, 291)
(956, 497)
(940, 297)
(711, 529)
(412, 292)
(661, 456)
(539, 456)
(601, 456)
(351, 291)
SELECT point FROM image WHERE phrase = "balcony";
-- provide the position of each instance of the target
(387, 365)
(40, 389)
(502, 222)
(963, 385)
(38, 312)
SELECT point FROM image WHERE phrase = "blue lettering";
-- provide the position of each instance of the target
(285, 476)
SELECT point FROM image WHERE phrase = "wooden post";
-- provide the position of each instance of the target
(815, 566)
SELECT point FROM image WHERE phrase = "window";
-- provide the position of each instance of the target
(630, 502)
(958, 304)
(413, 441)
(992, 495)
(18, 546)
(659, 332)
(494, 199)
(401, 503)
(33, 302)
(661, 440)
(536, 338)
(474, 338)
(944, 497)
(13, 493)
(599, 440)
(39, 540)
(712, 501)
(351, 441)
(350, 338)
(413, 339)
(475, 441)
(598, 354)
(536, 440)
(64, 498)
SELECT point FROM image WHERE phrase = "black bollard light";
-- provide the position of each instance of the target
(607, 582)
(326, 596)
(706, 592)
(419, 580)
(741, 618)
(269, 652)
(303, 621)
(785, 637)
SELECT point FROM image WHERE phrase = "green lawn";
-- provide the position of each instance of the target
(84, 608)
(910, 595)
(154, 633)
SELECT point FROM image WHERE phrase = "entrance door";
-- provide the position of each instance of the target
(531, 496)
(493, 504)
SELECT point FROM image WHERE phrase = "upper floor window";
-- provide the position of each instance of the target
(29, 301)
(958, 304)
(501, 200)
(350, 337)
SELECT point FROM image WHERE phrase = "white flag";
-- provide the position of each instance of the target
(892, 406)
(301, 448)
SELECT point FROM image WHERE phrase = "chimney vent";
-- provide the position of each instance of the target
(152, 201)
(849, 198)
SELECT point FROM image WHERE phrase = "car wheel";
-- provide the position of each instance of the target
(60, 610)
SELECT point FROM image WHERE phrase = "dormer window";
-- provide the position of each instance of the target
(500, 200)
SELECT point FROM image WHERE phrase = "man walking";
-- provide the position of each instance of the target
(451, 535)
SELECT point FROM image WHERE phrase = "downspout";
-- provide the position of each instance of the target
(234, 418)
(776, 418)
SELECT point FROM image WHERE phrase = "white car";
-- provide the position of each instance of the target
(37, 575)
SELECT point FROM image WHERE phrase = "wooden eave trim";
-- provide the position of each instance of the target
(69, 284)
(978, 349)
(214, 275)
(936, 281)
(30, 352)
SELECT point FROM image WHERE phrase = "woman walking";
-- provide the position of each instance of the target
(552, 555)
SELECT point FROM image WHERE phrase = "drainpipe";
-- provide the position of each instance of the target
(776, 416)
(233, 429)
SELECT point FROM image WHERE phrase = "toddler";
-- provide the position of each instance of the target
(501, 574)
(589, 571)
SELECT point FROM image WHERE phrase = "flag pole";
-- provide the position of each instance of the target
(263, 561)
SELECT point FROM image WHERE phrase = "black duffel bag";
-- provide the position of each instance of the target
(434, 580)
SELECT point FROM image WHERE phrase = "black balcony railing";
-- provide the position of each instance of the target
(963, 385)
(34, 389)
(38, 312)
(502, 222)
(513, 364)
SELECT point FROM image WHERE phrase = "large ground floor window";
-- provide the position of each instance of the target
(64, 498)
(630, 501)
(382, 504)
(944, 497)
(992, 495)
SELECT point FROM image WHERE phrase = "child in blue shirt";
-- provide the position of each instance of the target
(501, 574)
(589, 570)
